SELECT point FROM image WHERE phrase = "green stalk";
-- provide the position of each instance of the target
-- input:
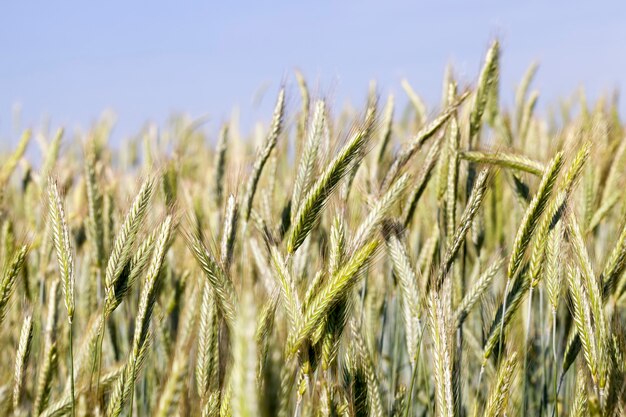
(72, 370)
(554, 385)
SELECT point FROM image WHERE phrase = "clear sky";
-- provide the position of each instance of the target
(70, 60)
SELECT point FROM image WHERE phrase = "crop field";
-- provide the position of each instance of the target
(461, 258)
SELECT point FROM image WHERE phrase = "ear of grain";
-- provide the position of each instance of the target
(263, 155)
(416, 102)
(506, 160)
(308, 158)
(95, 205)
(212, 406)
(7, 285)
(124, 387)
(220, 164)
(336, 286)
(476, 291)
(420, 183)
(442, 356)
(121, 383)
(222, 286)
(416, 143)
(592, 286)
(522, 91)
(527, 113)
(582, 319)
(150, 286)
(592, 308)
(337, 248)
(207, 357)
(124, 241)
(500, 393)
(533, 214)
(7, 240)
(386, 132)
(540, 243)
(306, 103)
(378, 212)
(288, 290)
(504, 314)
(552, 268)
(51, 157)
(374, 396)
(356, 380)
(264, 328)
(475, 200)
(9, 166)
(487, 81)
(614, 267)
(575, 169)
(229, 232)
(61, 238)
(571, 177)
(21, 360)
(409, 293)
(452, 178)
(580, 407)
(335, 324)
(308, 214)
(602, 211)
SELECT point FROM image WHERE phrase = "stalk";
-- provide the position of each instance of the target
(72, 370)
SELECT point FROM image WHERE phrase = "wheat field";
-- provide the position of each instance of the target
(460, 259)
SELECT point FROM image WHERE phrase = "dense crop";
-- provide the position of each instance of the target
(464, 261)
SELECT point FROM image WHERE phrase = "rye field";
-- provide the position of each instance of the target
(458, 258)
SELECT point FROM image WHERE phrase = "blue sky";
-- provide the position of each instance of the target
(70, 60)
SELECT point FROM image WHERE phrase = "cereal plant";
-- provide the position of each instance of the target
(459, 258)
